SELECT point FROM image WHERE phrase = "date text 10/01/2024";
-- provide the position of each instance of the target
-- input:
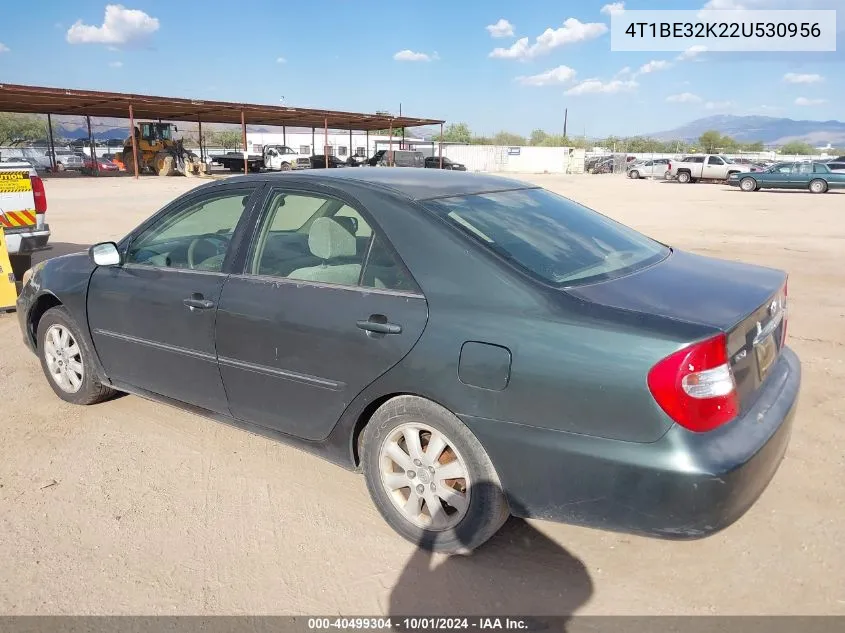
(419, 623)
(723, 29)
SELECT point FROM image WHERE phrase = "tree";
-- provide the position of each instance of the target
(456, 133)
(798, 148)
(537, 137)
(21, 127)
(397, 131)
(710, 140)
(508, 138)
(229, 139)
(756, 146)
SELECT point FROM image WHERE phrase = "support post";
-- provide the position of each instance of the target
(202, 154)
(402, 144)
(349, 153)
(367, 151)
(441, 146)
(313, 140)
(243, 134)
(134, 142)
(326, 141)
(284, 136)
(52, 144)
(390, 145)
(92, 147)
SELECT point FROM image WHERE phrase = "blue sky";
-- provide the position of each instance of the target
(349, 55)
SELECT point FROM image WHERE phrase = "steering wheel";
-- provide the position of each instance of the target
(204, 247)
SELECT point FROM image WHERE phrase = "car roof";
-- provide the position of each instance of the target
(417, 184)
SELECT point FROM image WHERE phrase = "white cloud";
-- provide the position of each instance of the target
(622, 73)
(804, 101)
(116, 64)
(596, 86)
(795, 78)
(408, 55)
(558, 75)
(120, 26)
(3, 48)
(281, 60)
(653, 66)
(718, 105)
(517, 50)
(724, 5)
(571, 32)
(613, 7)
(502, 28)
(691, 53)
(684, 97)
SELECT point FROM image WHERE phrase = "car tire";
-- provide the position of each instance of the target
(634, 174)
(480, 506)
(68, 363)
(684, 177)
(748, 185)
(60, 166)
(285, 167)
(818, 186)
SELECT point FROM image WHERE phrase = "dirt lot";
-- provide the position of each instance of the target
(133, 507)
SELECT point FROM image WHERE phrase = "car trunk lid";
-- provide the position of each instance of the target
(746, 302)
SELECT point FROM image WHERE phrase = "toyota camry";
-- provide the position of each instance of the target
(475, 346)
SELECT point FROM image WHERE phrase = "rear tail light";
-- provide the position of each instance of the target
(38, 194)
(695, 386)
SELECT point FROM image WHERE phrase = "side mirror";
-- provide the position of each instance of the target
(104, 254)
(354, 225)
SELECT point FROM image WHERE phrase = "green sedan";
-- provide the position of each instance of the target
(817, 177)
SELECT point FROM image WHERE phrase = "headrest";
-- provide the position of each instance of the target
(327, 239)
(346, 222)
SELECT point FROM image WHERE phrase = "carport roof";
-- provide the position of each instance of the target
(42, 100)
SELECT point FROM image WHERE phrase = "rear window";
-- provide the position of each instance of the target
(554, 239)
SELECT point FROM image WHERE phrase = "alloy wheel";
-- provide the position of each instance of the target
(425, 476)
(64, 358)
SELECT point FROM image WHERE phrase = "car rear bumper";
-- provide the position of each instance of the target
(28, 239)
(685, 485)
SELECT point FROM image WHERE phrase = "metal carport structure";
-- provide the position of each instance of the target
(88, 103)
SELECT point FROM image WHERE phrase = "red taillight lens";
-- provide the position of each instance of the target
(695, 386)
(668, 165)
(39, 194)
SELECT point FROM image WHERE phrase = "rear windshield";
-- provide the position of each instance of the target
(552, 238)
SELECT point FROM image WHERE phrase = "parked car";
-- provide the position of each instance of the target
(433, 162)
(656, 168)
(319, 162)
(68, 160)
(814, 176)
(703, 167)
(475, 345)
(101, 164)
(401, 158)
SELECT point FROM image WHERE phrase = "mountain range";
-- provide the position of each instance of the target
(769, 130)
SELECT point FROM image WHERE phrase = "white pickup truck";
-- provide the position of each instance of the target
(23, 204)
(702, 167)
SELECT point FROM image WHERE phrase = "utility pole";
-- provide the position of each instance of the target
(565, 117)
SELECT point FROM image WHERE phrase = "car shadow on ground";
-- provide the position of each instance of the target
(518, 572)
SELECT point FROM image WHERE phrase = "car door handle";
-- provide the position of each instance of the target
(197, 301)
(378, 324)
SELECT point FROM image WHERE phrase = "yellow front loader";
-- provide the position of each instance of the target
(158, 153)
